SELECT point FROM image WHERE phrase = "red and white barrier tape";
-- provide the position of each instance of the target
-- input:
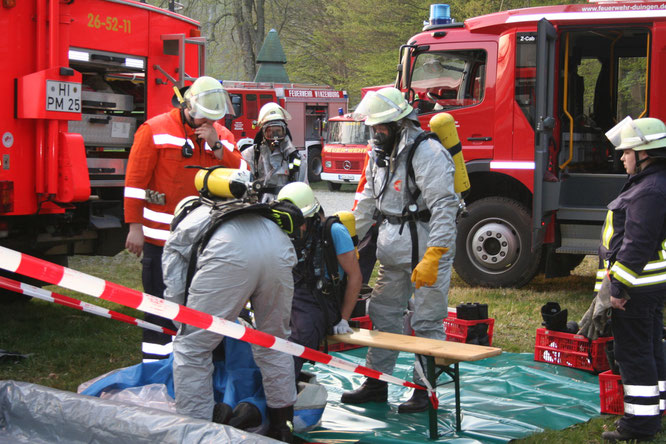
(30, 266)
(49, 296)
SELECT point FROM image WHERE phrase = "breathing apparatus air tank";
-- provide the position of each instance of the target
(444, 125)
(348, 220)
(226, 183)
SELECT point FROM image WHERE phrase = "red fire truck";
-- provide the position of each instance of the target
(77, 79)
(309, 105)
(344, 151)
(532, 92)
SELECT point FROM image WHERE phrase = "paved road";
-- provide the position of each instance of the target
(333, 201)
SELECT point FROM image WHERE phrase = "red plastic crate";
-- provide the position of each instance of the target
(611, 393)
(456, 329)
(364, 322)
(571, 350)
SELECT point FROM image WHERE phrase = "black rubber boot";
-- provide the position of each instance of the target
(553, 317)
(372, 390)
(281, 425)
(623, 435)
(245, 416)
(221, 413)
(417, 403)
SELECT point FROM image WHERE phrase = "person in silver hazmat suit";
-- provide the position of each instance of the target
(416, 216)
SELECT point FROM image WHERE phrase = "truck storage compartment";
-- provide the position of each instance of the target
(106, 130)
(106, 101)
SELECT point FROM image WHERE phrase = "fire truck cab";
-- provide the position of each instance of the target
(532, 92)
(78, 79)
(309, 106)
(344, 151)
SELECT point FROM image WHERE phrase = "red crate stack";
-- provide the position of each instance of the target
(457, 329)
(363, 322)
(571, 350)
(611, 393)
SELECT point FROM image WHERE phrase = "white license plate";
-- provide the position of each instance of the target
(346, 176)
(63, 96)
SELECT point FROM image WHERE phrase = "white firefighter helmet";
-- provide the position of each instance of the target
(207, 99)
(301, 195)
(272, 111)
(643, 134)
(382, 106)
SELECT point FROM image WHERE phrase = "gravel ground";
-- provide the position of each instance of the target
(334, 201)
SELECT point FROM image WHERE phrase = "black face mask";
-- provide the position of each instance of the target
(384, 144)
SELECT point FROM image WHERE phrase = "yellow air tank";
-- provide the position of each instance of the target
(226, 183)
(444, 125)
(348, 220)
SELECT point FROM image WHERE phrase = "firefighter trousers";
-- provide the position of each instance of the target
(388, 304)
(310, 320)
(639, 352)
(155, 345)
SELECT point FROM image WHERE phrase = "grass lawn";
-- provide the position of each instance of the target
(68, 347)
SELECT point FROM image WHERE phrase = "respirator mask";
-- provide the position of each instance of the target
(383, 139)
(275, 132)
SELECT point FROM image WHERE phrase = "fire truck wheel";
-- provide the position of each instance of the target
(493, 244)
(314, 164)
(333, 186)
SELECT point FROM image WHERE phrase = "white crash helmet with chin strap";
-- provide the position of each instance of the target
(207, 99)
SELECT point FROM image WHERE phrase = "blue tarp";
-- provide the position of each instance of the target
(502, 398)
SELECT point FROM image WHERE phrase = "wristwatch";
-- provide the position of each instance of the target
(217, 146)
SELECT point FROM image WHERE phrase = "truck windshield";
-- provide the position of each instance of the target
(347, 133)
(448, 79)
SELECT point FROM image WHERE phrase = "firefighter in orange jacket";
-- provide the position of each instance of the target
(156, 180)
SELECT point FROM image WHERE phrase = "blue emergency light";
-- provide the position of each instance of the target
(440, 14)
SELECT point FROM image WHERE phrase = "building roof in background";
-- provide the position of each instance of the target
(271, 60)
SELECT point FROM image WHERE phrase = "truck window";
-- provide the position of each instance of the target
(237, 103)
(252, 106)
(525, 82)
(631, 93)
(347, 133)
(601, 80)
(265, 98)
(449, 79)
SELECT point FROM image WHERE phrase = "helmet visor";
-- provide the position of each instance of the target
(213, 104)
(376, 108)
(634, 137)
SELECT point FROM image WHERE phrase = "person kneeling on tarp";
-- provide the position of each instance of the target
(241, 255)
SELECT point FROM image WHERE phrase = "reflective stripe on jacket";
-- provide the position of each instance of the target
(633, 239)
(156, 178)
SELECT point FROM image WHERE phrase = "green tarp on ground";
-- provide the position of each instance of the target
(502, 398)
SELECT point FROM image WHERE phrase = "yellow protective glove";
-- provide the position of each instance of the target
(425, 272)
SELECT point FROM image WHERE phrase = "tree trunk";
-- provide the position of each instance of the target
(250, 22)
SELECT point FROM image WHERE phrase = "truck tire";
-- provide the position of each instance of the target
(493, 244)
(334, 186)
(314, 164)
